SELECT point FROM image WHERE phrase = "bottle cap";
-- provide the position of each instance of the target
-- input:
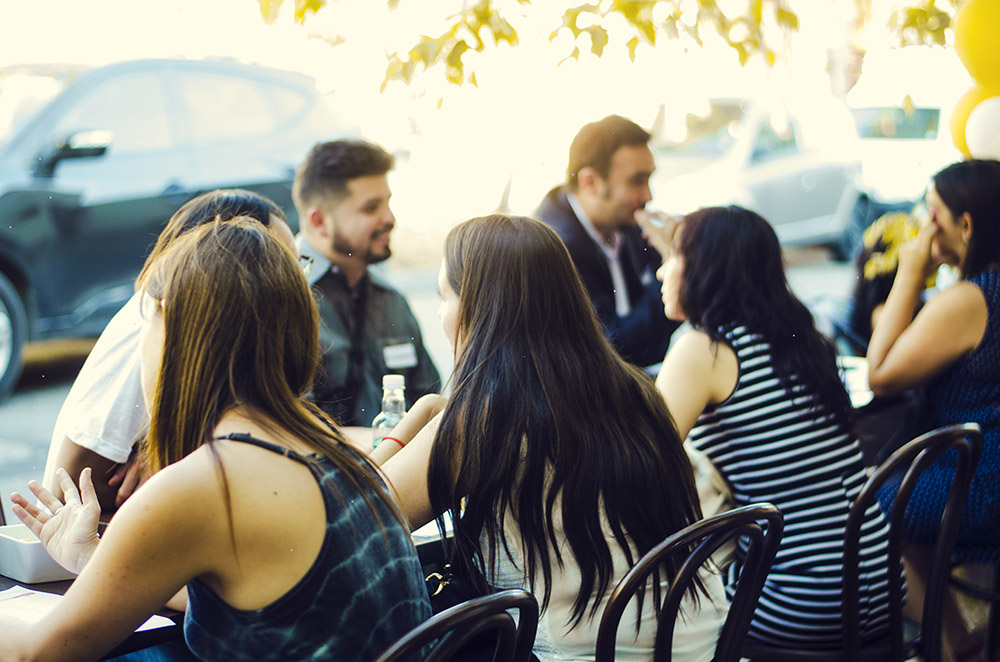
(393, 381)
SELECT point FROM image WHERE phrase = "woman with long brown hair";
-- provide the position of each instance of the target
(229, 352)
(556, 459)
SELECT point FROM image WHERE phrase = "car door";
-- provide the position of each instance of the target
(797, 189)
(105, 212)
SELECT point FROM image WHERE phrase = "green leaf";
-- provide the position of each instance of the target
(632, 44)
(502, 31)
(670, 26)
(572, 15)
(428, 50)
(741, 51)
(598, 39)
(787, 19)
(302, 7)
(269, 9)
(575, 55)
(454, 58)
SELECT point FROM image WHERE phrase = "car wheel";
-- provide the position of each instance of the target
(13, 335)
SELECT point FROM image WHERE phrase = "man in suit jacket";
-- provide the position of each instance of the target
(610, 164)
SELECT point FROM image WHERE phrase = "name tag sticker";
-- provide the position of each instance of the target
(400, 356)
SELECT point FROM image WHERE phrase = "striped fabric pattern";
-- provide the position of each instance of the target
(774, 441)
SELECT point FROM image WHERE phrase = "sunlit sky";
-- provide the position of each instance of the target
(520, 118)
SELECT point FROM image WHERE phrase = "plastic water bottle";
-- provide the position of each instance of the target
(393, 408)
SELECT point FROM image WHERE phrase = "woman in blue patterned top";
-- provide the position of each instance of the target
(756, 387)
(951, 348)
(280, 541)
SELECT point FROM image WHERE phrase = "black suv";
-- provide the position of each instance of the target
(89, 178)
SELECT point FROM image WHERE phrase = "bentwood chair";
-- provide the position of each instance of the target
(901, 642)
(697, 543)
(452, 628)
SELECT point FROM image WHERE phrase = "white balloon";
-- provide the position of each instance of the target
(982, 130)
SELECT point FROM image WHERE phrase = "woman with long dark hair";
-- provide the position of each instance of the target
(951, 348)
(756, 387)
(557, 460)
(228, 354)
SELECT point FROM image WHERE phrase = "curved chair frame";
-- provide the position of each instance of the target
(915, 457)
(706, 537)
(454, 627)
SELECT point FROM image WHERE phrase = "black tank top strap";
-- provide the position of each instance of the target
(281, 450)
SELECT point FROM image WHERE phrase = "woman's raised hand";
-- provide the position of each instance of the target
(915, 255)
(68, 530)
(659, 229)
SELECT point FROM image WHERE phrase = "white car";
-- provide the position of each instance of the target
(901, 107)
(795, 164)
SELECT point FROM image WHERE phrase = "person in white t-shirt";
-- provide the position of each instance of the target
(104, 414)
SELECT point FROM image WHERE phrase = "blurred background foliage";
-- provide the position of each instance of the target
(749, 27)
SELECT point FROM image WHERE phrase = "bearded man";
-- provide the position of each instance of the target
(341, 193)
(594, 213)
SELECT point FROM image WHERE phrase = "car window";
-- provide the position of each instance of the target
(899, 123)
(774, 139)
(132, 107)
(225, 108)
(21, 95)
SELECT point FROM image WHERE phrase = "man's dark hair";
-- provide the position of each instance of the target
(329, 166)
(597, 142)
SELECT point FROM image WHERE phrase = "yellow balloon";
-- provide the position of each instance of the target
(974, 96)
(976, 28)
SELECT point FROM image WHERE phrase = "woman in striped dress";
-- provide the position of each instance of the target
(756, 387)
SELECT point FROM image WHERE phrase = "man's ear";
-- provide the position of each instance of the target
(315, 219)
(587, 178)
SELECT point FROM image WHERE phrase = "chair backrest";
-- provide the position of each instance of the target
(914, 457)
(454, 627)
(697, 543)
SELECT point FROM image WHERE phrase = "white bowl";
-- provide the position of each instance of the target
(23, 557)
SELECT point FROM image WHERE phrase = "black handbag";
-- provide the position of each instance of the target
(447, 589)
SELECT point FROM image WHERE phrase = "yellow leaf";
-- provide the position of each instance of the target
(632, 44)
(302, 7)
(269, 9)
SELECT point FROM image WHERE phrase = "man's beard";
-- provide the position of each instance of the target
(341, 247)
(624, 220)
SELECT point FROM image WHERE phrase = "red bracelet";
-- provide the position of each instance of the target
(401, 444)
